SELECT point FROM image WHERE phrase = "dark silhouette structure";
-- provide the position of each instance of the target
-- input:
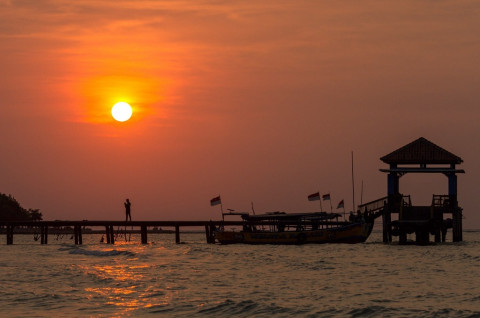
(128, 216)
(78, 228)
(419, 156)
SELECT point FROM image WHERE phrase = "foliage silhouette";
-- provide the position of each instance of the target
(11, 210)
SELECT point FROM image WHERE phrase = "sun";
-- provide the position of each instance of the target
(121, 111)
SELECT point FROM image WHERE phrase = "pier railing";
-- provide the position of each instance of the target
(373, 206)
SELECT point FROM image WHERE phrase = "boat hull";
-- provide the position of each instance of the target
(352, 233)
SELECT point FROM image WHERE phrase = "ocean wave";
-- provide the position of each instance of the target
(381, 311)
(371, 311)
(471, 257)
(100, 253)
(248, 308)
(67, 247)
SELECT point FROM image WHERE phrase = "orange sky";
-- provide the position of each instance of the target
(256, 102)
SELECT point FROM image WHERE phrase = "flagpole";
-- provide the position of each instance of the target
(320, 199)
(331, 209)
(221, 205)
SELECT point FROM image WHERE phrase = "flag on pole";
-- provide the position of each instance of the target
(314, 196)
(215, 201)
(326, 197)
(340, 205)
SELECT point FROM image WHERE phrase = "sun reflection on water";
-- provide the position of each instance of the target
(123, 284)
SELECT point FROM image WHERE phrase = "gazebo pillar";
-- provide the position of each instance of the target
(393, 190)
(452, 184)
(457, 212)
(393, 182)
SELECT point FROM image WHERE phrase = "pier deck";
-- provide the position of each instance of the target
(77, 228)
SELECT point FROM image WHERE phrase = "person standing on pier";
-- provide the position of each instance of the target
(127, 210)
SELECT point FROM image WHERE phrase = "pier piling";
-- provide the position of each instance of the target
(207, 232)
(43, 234)
(177, 234)
(10, 234)
(210, 233)
(112, 235)
(78, 235)
(143, 231)
(107, 233)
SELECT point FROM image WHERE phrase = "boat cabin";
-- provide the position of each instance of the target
(285, 222)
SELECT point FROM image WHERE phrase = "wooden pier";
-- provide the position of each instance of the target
(78, 228)
(81, 228)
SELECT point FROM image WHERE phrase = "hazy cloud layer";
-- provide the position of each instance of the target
(258, 102)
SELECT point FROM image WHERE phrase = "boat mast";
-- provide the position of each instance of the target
(353, 187)
(361, 195)
(320, 199)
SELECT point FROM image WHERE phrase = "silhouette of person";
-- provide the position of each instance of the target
(127, 210)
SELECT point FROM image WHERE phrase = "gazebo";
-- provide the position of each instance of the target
(421, 156)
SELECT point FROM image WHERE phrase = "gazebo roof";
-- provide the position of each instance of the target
(421, 151)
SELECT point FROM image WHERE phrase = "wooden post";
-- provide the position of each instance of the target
(9, 234)
(402, 238)
(143, 230)
(107, 233)
(80, 240)
(438, 215)
(212, 233)
(457, 226)
(438, 238)
(444, 233)
(75, 234)
(389, 226)
(112, 235)
(384, 225)
(45, 234)
(386, 220)
(207, 233)
(177, 234)
(78, 234)
(42, 234)
(460, 226)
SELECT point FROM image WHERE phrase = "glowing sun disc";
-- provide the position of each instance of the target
(121, 111)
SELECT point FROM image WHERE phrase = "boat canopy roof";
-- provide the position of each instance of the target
(291, 216)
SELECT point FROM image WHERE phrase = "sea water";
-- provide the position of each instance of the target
(205, 280)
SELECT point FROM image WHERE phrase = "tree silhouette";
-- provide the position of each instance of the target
(35, 214)
(11, 210)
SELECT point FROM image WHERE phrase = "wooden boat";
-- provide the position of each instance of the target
(296, 228)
